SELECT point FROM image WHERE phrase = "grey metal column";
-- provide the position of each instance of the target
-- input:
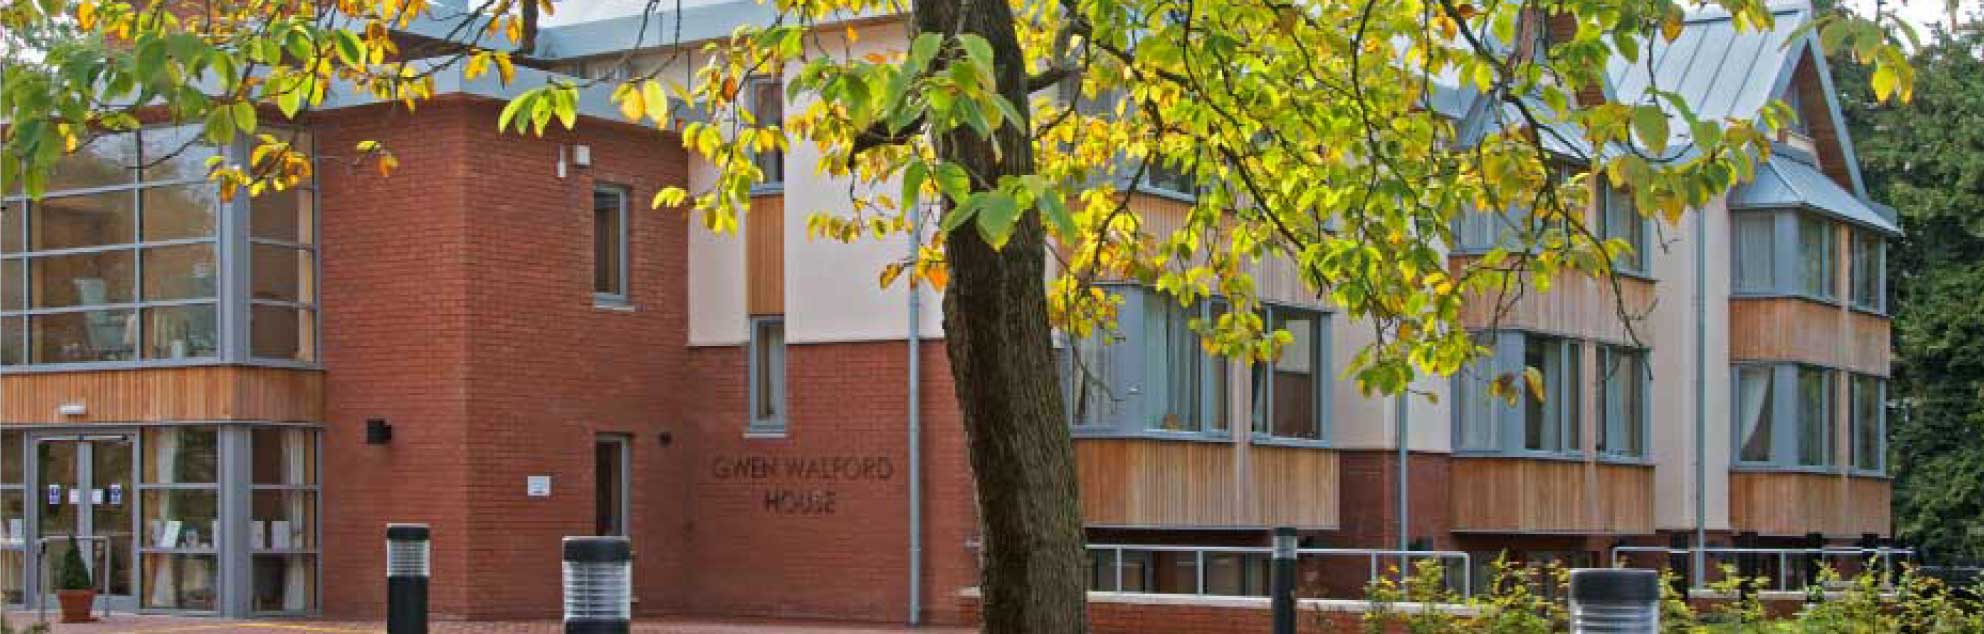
(1281, 580)
(1615, 601)
(237, 565)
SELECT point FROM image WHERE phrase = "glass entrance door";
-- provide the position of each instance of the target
(83, 489)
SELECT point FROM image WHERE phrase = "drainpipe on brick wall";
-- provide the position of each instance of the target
(1701, 394)
(915, 434)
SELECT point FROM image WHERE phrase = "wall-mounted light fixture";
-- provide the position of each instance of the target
(72, 409)
(378, 431)
(667, 438)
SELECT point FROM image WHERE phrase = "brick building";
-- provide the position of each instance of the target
(229, 400)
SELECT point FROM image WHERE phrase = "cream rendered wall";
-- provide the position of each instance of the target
(1672, 328)
(1368, 422)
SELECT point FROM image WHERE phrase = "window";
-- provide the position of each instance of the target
(179, 493)
(1176, 362)
(1869, 264)
(1622, 399)
(1288, 393)
(1086, 367)
(1752, 261)
(282, 530)
(1816, 253)
(609, 245)
(1621, 220)
(767, 350)
(1869, 423)
(1517, 420)
(767, 105)
(1815, 417)
(610, 479)
(1550, 423)
(1753, 401)
(1169, 179)
(1152, 373)
(282, 262)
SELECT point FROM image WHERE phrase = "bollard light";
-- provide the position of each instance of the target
(407, 570)
(1281, 580)
(1615, 601)
(599, 578)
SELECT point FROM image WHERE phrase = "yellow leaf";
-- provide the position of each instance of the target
(504, 69)
(890, 273)
(655, 101)
(388, 163)
(630, 103)
(86, 15)
(938, 276)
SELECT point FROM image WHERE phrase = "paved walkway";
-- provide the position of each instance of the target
(164, 624)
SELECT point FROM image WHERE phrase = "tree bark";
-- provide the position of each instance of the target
(1001, 354)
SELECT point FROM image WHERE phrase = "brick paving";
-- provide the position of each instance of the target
(123, 623)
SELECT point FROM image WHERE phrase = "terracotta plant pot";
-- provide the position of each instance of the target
(76, 605)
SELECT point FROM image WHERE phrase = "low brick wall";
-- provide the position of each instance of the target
(1124, 613)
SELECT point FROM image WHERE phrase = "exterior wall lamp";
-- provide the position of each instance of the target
(378, 431)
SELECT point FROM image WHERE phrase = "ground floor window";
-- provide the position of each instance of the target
(201, 518)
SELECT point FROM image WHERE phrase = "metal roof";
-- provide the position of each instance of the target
(1718, 70)
(1786, 181)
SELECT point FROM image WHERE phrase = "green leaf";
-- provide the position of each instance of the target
(912, 185)
(954, 182)
(996, 216)
(923, 50)
(244, 116)
(977, 49)
(1650, 124)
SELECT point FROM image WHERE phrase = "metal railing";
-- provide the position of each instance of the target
(1782, 555)
(99, 573)
(1375, 557)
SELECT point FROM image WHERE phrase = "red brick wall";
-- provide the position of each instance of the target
(458, 305)
(845, 400)
(1213, 616)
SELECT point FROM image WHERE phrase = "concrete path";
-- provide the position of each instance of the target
(120, 624)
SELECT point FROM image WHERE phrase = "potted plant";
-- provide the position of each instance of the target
(73, 587)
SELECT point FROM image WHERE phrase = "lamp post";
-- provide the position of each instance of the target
(1615, 601)
(407, 570)
(599, 575)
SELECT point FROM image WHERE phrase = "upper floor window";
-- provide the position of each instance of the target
(1869, 271)
(767, 105)
(122, 260)
(1153, 374)
(1620, 219)
(1784, 252)
(1784, 415)
(767, 375)
(1622, 392)
(1288, 393)
(609, 244)
(1816, 257)
(1868, 396)
(1543, 418)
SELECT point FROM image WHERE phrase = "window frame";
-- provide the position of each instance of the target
(624, 296)
(1261, 420)
(753, 86)
(1867, 255)
(1506, 422)
(1787, 419)
(1639, 262)
(775, 425)
(233, 241)
(1640, 411)
(1879, 387)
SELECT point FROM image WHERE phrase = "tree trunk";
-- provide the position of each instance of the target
(995, 324)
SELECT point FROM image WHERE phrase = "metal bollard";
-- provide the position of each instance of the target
(599, 578)
(1281, 580)
(407, 570)
(1615, 601)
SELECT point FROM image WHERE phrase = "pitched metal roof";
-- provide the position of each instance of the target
(1718, 70)
(1787, 181)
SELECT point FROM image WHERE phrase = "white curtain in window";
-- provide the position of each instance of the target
(165, 456)
(1477, 418)
(1751, 256)
(1753, 412)
(296, 575)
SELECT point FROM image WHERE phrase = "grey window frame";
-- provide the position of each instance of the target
(1638, 427)
(623, 263)
(1787, 417)
(1638, 262)
(233, 241)
(1867, 256)
(752, 85)
(1506, 423)
(1130, 380)
(1261, 420)
(776, 424)
(623, 444)
(1880, 423)
(1787, 255)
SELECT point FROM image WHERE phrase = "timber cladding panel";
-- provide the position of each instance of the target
(1551, 496)
(1806, 331)
(1576, 305)
(1157, 483)
(764, 256)
(201, 393)
(1793, 504)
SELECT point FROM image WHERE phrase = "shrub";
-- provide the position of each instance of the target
(72, 574)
